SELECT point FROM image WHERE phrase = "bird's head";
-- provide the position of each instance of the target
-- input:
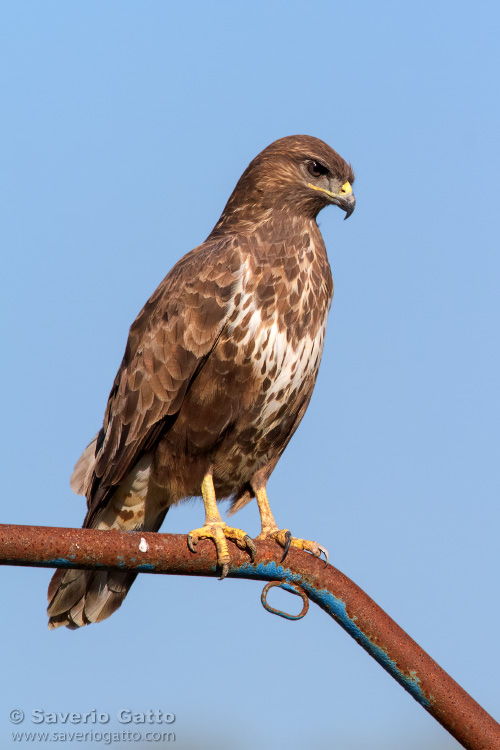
(299, 174)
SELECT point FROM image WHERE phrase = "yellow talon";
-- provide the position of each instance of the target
(282, 536)
(217, 530)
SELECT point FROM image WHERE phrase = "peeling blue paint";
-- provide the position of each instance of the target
(333, 605)
(60, 562)
(63, 562)
(336, 608)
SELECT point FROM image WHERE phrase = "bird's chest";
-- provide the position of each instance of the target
(279, 328)
(286, 371)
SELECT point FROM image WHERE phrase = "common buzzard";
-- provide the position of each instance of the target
(218, 371)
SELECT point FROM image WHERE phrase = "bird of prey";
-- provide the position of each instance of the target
(218, 371)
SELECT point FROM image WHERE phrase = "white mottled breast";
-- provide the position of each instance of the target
(294, 367)
(295, 362)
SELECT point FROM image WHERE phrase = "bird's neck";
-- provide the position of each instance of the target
(271, 223)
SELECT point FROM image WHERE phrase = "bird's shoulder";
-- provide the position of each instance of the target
(193, 294)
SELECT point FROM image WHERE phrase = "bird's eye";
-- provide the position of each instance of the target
(316, 169)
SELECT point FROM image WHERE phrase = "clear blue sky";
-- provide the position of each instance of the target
(124, 128)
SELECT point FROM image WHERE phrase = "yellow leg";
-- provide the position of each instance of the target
(212, 514)
(217, 530)
(266, 516)
(284, 538)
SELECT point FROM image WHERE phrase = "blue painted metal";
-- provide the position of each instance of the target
(339, 597)
(336, 608)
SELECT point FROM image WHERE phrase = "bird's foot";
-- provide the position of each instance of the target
(220, 532)
(286, 540)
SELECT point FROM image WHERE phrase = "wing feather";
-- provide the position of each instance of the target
(168, 344)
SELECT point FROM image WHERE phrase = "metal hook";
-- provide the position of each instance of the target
(293, 589)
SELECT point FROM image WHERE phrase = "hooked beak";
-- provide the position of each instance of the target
(344, 199)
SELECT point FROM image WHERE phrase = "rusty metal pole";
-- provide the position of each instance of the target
(365, 621)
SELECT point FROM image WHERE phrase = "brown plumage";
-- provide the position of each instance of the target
(219, 366)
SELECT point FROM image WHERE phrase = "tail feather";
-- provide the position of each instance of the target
(81, 597)
(76, 620)
(82, 473)
(65, 589)
(89, 597)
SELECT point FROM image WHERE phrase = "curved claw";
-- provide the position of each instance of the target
(288, 539)
(251, 546)
(219, 533)
(316, 552)
(325, 552)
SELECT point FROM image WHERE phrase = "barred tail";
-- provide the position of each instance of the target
(81, 597)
